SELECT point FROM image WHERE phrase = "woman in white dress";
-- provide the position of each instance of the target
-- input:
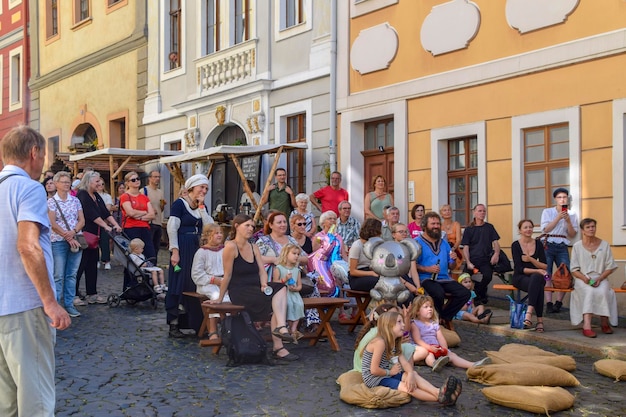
(591, 264)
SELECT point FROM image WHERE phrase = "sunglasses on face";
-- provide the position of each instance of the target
(300, 224)
(133, 179)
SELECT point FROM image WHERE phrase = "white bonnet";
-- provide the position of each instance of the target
(197, 179)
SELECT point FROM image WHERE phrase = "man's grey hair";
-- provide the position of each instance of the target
(18, 142)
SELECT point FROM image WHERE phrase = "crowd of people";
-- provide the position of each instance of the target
(265, 272)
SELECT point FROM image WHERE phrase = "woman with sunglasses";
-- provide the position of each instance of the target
(137, 211)
(298, 232)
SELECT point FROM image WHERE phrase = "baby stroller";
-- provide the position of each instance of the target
(138, 284)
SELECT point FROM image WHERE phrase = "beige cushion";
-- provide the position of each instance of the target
(539, 400)
(354, 391)
(560, 361)
(522, 374)
(612, 368)
(520, 349)
(452, 337)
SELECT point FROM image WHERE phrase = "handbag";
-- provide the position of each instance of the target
(81, 241)
(93, 240)
(79, 238)
(517, 313)
(562, 278)
(504, 264)
(308, 286)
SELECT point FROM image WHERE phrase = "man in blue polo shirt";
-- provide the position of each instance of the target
(29, 312)
(432, 267)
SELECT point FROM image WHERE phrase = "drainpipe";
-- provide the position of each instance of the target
(26, 63)
(332, 142)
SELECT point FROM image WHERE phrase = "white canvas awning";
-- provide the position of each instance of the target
(234, 153)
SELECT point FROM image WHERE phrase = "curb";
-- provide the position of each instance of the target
(561, 337)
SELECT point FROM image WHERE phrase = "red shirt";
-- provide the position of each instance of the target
(330, 198)
(139, 202)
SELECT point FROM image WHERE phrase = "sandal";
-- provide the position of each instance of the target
(539, 328)
(528, 324)
(216, 341)
(449, 391)
(285, 337)
(289, 357)
(484, 314)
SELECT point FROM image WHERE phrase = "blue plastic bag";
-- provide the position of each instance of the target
(517, 314)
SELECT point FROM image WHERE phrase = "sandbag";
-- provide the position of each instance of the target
(452, 338)
(564, 362)
(355, 392)
(525, 374)
(613, 368)
(521, 349)
(538, 400)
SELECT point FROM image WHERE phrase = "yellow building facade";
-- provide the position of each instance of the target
(89, 73)
(494, 102)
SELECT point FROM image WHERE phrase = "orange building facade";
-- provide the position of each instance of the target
(488, 102)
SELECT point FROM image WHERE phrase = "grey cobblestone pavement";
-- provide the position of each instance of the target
(120, 362)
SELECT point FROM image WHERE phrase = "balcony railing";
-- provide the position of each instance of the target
(230, 66)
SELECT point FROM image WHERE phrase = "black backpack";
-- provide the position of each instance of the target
(242, 341)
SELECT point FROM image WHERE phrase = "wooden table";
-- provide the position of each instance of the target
(363, 299)
(326, 307)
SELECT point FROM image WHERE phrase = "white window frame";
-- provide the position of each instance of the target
(281, 113)
(201, 21)
(16, 105)
(571, 116)
(352, 143)
(361, 7)
(12, 4)
(439, 160)
(619, 185)
(281, 31)
(167, 73)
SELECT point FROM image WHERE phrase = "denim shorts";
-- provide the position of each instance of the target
(392, 381)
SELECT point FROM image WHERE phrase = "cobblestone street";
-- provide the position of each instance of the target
(120, 362)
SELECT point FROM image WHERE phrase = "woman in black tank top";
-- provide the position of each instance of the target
(244, 270)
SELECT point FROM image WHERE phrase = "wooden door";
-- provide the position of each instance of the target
(378, 163)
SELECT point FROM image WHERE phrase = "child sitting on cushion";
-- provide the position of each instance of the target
(469, 312)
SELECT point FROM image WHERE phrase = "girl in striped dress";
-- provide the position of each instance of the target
(383, 364)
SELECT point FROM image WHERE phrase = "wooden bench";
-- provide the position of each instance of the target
(519, 299)
(363, 299)
(325, 306)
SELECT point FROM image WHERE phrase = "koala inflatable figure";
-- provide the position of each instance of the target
(391, 260)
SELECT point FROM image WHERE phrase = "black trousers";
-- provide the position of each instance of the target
(459, 295)
(532, 284)
(155, 233)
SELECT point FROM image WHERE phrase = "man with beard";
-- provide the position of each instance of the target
(432, 267)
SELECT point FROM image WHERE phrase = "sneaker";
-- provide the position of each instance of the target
(158, 289)
(71, 310)
(165, 288)
(78, 302)
(549, 308)
(96, 299)
(483, 361)
(440, 363)
(557, 306)
(107, 265)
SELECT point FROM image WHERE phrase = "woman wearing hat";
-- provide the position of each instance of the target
(187, 217)
(558, 225)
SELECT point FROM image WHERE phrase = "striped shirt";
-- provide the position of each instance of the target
(368, 378)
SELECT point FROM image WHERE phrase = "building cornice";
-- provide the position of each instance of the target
(133, 42)
(10, 38)
(568, 53)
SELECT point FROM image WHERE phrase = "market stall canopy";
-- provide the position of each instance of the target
(115, 160)
(234, 153)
